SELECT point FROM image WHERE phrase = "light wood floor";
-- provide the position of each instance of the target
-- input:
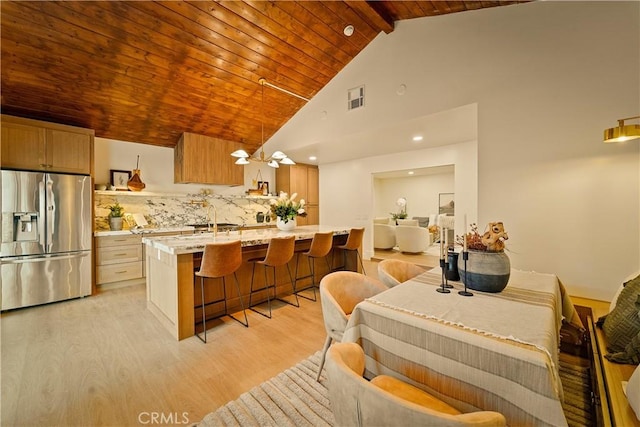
(422, 259)
(106, 361)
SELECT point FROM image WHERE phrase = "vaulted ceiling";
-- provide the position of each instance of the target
(147, 71)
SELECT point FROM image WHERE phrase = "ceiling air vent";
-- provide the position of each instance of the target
(356, 98)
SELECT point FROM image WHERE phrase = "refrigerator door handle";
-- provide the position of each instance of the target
(42, 214)
(42, 258)
(51, 212)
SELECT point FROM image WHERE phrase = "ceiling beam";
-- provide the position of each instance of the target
(369, 11)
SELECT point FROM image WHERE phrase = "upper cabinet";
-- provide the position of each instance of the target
(206, 160)
(42, 146)
(303, 180)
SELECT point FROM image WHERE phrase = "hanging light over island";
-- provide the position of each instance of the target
(278, 157)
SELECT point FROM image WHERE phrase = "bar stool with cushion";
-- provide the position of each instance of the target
(279, 253)
(218, 261)
(320, 248)
(354, 241)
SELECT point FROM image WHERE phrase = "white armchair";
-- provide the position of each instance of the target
(384, 236)
(412, 239)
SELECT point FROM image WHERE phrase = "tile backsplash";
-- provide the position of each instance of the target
(175, 210)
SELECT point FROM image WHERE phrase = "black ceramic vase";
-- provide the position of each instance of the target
(486, 271)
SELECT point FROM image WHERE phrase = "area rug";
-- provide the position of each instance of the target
(294, 398)
(291, 398)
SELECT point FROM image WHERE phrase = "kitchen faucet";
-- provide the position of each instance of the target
(215, 219)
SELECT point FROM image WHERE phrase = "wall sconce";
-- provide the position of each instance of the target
(622, 132)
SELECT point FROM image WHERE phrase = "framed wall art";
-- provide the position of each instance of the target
(264, 186)
(119, 179)
(446, 204)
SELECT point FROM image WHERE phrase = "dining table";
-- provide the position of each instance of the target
(488, 351)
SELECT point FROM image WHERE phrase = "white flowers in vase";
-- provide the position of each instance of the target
(286, 207)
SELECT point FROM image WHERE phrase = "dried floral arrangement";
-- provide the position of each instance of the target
(491, 241)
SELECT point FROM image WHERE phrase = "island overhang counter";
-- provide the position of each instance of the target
(171, 263)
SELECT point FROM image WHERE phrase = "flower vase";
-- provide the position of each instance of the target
(286, 226)
(488, 271)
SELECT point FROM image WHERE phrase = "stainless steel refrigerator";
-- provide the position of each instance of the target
(46, 238)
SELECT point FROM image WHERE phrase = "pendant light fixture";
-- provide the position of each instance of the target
(278, 157)
(622, 132)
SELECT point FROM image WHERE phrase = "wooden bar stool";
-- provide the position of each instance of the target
(354, 241)
(220, 260)
(279, 252)
(320, 248)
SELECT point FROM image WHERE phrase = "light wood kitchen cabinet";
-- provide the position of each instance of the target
(313, 186)
(119, 258)
(206, 160)
(41, 146)
(304, 180)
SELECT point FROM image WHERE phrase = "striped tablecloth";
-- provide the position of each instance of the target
(486, 352)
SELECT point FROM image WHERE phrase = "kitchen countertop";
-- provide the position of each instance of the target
(187, 228)
(176, 245)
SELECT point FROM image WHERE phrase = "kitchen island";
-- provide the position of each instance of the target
(171, 263)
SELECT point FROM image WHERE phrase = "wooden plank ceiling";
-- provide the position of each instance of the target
(148, 71)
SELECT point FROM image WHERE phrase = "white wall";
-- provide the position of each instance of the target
(422, 194)
(548, 78)
(347, 188)
(156, 168)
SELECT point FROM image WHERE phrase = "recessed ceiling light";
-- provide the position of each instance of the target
(411, 172)
(417, 138)
(312, 158)
(348, 30)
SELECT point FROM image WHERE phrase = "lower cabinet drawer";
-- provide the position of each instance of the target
(122, 254)
(117, 272)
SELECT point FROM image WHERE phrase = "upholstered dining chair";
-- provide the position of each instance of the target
(387, 401)
(392, 272)
(340, 292)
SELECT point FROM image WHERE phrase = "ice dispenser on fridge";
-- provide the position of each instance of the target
(25, 227)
